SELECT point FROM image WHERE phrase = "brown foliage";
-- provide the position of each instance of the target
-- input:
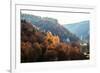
(27, 52)
(51, 55)
(26, 45)
(51, 39)
(38, 48)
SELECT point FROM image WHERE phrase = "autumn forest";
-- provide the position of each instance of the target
(42, 46)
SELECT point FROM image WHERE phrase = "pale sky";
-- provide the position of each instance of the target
(63, 18)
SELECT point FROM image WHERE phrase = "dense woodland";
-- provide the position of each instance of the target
(39, 46)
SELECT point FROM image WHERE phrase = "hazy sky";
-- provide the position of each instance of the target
(63, 18)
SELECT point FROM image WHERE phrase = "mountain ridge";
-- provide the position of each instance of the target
(49, 24)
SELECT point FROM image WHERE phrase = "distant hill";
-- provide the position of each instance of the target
(80, 29)
(46, 24)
